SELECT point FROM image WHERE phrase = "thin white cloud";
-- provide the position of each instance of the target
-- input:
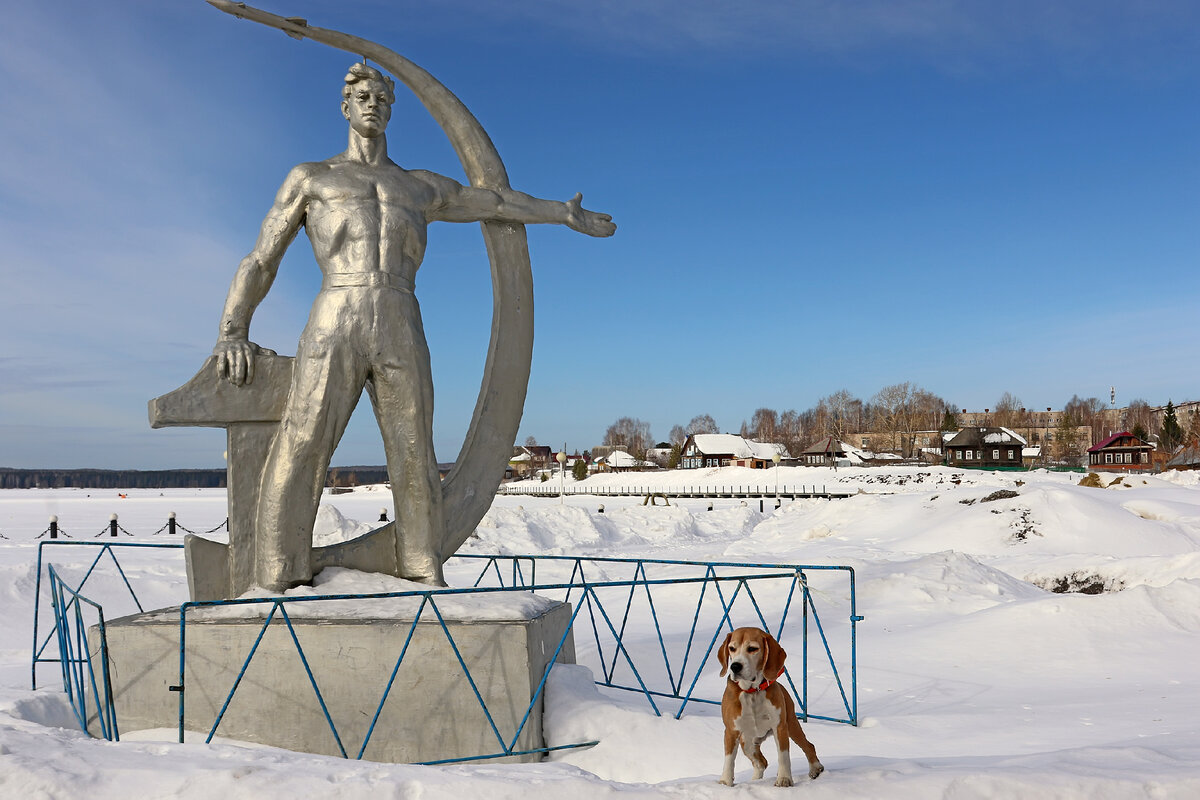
(1151, 35)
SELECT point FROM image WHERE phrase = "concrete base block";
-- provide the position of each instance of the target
(431, 712)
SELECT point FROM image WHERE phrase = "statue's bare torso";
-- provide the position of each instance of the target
(364, 218)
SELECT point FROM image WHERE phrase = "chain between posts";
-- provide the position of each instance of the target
(54, 531)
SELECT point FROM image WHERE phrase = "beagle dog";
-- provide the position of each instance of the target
(755, 705)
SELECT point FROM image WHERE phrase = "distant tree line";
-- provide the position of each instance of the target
(157, 478)
(900, 410)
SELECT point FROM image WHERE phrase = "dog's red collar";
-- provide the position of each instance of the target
(762, 687)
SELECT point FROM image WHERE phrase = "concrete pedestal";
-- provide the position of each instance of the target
(431, 712)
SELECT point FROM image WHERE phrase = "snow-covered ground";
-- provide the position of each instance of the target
(974, 679)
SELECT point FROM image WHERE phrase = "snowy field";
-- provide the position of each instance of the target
(975, 680)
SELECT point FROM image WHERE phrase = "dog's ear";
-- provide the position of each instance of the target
(776, 655)
(723, 653)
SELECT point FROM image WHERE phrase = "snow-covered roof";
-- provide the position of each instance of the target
(522, 457)
(714, 443)
(731, 443)
(1002, 436)
(980, 435)
(619, 458)
(767, 450)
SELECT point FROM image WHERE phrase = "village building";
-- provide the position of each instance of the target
(527, 460)
(984, 447)
(702, 450)
(620, 461)
(826, 452)
(1121, 452)
(1188, 457)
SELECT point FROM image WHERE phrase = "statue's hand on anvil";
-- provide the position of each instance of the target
(589, 222)
(235, 359)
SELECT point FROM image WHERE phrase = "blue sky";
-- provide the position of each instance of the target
(976, 197)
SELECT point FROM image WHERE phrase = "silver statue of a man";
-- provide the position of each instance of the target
(366, 218)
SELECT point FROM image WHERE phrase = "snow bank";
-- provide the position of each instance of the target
(975, 680)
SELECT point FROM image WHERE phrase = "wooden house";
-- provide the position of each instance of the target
(984, 447)
(727, 449)
(1121, 452)
(826, 452)
(1188, 457)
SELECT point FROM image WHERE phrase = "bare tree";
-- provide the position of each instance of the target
(1088, 412)
(1008, 411)
(815, 421)
(764, 425)
(1066, 438)
(1139, 418)
(631, 434)
(840, 410)
(678, 435)
(791, 432)
(531, 441)
(902, 409)
(702, 423)
(1193, 426)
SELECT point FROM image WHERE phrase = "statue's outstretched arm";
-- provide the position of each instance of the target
(468, 204)
(255, 274)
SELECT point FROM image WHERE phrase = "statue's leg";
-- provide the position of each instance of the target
(326, 383)
(401, 390)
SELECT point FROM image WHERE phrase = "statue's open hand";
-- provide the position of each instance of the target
(235, 359)
(589, 222)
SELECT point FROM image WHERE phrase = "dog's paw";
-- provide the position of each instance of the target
(815, 770)
(726, 781)
(782, 781)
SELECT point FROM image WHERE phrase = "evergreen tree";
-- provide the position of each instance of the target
(579, 470)
(949, 421)
(1139, 430)
(676, 455)
(1171, 434)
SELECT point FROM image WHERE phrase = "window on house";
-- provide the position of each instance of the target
(995, 455)
(866, 442)
(1010, 455)
(1108, 458)
(1145, 457)
(970, 454)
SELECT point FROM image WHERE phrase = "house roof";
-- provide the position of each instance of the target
(827, 444)
(1187, 457)
(977, 436)
(721, 444)
(620, 459)
(1114, 438)
(734, 445)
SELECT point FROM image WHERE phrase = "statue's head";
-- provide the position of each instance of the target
(367, 98)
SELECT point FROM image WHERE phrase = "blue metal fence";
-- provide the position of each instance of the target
(103, 549)
(80, 681)
(787, 582)
(673, 664)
